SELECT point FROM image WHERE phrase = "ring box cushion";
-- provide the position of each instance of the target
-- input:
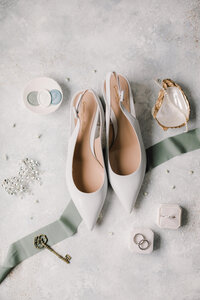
(148, 235)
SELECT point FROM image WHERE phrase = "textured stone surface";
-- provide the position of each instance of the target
(82, 40)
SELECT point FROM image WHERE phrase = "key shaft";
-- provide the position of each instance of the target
(56, 253)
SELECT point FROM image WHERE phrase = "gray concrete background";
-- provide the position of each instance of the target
(143, 40)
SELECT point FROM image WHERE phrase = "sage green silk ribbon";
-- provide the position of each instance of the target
(57, 231)
(69, 221)
(171, 147)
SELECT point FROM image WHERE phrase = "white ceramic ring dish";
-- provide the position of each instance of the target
(43, 95)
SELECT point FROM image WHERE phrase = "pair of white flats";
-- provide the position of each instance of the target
(125, 158)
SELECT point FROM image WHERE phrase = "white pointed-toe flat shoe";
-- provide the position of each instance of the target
(86, 172)
(126, 157)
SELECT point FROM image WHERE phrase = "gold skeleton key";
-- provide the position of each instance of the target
(41, 241)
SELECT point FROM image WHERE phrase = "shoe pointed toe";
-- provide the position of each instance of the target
(128, 203)
(90, 223)
(127, 191)
(90, 206)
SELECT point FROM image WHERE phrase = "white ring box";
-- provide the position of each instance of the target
(148, 235)
(169, 216)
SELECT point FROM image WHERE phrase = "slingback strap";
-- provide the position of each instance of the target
(97, 122)
(112, 116)
(121, 99)
(76, 108)
(120, 91)
(126, 113)
(95, 130)
(121, 96)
